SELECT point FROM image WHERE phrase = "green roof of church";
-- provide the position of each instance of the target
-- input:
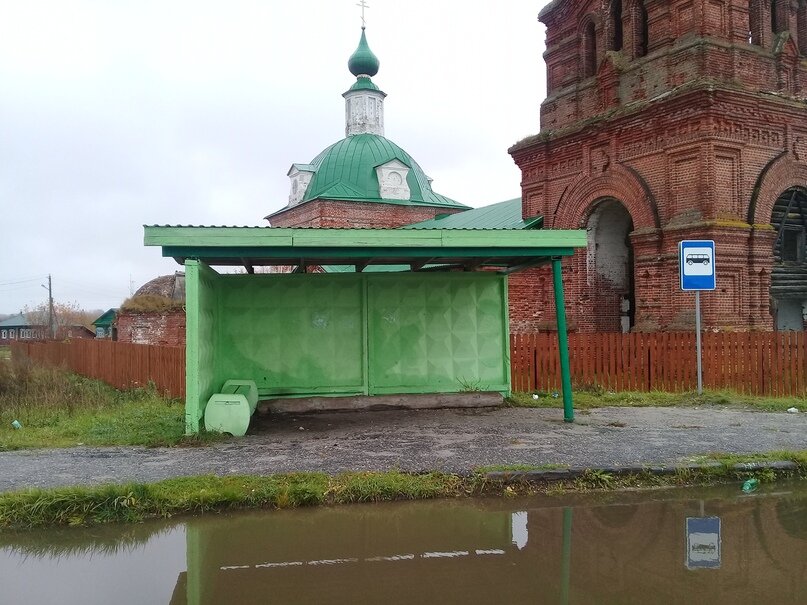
(504, 215)
(364, 83)
(346, 171)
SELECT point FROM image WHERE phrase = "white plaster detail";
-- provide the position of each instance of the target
(364, 112)
(392, 184)
(607, 252)
(300, 180)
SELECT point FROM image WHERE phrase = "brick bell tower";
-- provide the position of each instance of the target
(668, 120)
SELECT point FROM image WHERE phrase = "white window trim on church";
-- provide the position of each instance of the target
(300, 179)
(392, 183)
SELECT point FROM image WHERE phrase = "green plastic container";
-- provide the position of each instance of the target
(231, 410)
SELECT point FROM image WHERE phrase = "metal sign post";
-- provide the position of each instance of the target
(696, 262)
(698, 340)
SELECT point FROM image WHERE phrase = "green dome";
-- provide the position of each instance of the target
(363, 62)
(346, 171)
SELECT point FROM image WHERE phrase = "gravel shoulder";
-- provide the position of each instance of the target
(452, 440)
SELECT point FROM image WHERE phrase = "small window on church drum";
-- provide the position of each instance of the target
(792, 244)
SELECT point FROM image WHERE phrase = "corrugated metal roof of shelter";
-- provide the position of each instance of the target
(503, 215)
(15, 321)
(312, 228)
(508, 250)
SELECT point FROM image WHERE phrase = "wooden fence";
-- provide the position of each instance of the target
(762, 363)
(123, 365)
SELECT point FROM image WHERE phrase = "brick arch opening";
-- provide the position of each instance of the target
(783, 172)
(609, 270)
(788, 288)
(617, 182)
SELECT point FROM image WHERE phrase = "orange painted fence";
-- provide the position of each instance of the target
(762, 363)
(123, 365)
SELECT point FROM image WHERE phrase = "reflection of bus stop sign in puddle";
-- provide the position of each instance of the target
(703, 543)
(697, 258)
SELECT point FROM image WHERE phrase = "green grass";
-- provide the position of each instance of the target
(596, 398)
(5, 352)
(797, 456)
(59, 409)
(135, 502)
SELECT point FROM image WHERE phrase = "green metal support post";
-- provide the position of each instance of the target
(566, 556)
(563, 341)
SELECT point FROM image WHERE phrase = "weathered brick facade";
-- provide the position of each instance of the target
(336, 214)
(166, 329)
(692, 114)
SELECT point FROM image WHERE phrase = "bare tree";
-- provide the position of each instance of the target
(64, 315)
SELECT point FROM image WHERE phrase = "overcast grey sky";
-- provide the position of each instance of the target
(119, 113)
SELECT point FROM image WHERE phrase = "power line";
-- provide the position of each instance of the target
(22, 281)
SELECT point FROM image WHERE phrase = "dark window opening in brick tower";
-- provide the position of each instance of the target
(616, 25)
(773, 16)
(779, 15)
(640, 21)
(789, 274)
(801, 25)
(589, 54)
(610, 267)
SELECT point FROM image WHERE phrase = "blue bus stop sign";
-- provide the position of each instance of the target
(696, 261)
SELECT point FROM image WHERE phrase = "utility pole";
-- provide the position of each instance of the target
(50, 309)
(51, 328)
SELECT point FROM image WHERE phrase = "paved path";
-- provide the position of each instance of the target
(449, 440)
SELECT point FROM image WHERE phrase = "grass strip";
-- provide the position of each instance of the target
(595, 397)
(135, 502)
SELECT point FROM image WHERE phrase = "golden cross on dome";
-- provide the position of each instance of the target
(363, 5)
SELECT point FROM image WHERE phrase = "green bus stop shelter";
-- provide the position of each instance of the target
(407, 312)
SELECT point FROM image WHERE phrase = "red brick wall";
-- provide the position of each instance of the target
(684, 138)
(152, 328)
(325, 213)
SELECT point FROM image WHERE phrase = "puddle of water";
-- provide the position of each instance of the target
(673, 546)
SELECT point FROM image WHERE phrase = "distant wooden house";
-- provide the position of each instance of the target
(155, 315)
(105, 326)
(73, 331)
(17, 328)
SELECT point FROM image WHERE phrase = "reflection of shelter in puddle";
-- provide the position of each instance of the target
(630, 549)
(460, 552)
